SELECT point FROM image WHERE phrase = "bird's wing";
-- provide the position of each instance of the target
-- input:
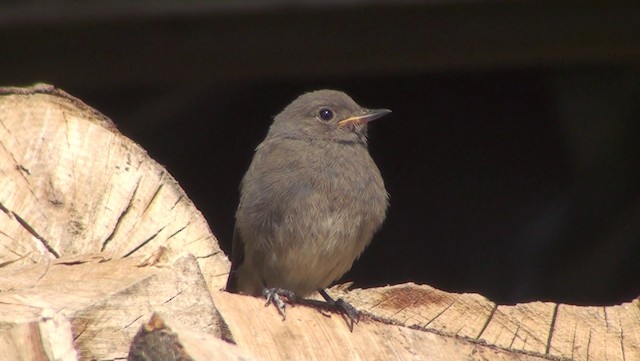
(237, 257)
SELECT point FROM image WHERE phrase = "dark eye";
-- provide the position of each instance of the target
(325, 114)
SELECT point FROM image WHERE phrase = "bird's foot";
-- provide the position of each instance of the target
(341, 306)
(273, 295)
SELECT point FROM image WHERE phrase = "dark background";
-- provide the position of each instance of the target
(512, 155)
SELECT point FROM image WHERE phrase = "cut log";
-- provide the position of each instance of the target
(71, 184)
(307, 334)
(34, 332)
(547, 329)
(407, 322)
(106, 301)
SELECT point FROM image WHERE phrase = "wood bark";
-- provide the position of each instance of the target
(95, 238)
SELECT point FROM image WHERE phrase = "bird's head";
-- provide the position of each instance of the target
(325, 114)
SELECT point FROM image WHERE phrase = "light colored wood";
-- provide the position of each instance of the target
(308, 334)
(35, 332)
(71, 184)
(544, 329)
(106, 301)
(523, 327)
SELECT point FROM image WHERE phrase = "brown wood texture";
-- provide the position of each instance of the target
(105, 301)
(550, 330)
(34, 332)
(94, 231)
(308, 334)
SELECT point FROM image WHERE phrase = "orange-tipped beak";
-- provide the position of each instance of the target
(366, 117)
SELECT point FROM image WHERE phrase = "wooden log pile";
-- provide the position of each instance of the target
(104, 257)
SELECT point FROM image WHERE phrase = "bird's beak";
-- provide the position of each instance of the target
(366, 117)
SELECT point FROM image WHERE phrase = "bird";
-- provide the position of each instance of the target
(310, 202)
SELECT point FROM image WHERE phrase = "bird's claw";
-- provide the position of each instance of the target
(341, 306)
(351, 312)
(273, 296)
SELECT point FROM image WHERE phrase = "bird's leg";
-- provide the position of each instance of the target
(342, 306)
(273, 296)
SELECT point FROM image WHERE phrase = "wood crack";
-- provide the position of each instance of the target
(120, 218)
(21, 169)
(153, 198)
(552, 328)
(624, 357)
(515, 336)
(589, 344)
(143, 243)
(4, 209)
(486, 324)
(380, 300)
(134, 322)
(173, 297)
(209, 256)
(404, 307)
(80, 332)
(573, 341)
(177, 202)
(6, 263)
(178, 231)
(35, 234)
(440, 313)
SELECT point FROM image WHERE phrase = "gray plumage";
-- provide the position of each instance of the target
(311, 199)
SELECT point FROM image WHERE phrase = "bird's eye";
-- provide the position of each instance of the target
(325, 114)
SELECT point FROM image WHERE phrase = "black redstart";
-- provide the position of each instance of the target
(309, 203)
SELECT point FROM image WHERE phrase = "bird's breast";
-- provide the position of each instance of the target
(329, 195)
(309, 213)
